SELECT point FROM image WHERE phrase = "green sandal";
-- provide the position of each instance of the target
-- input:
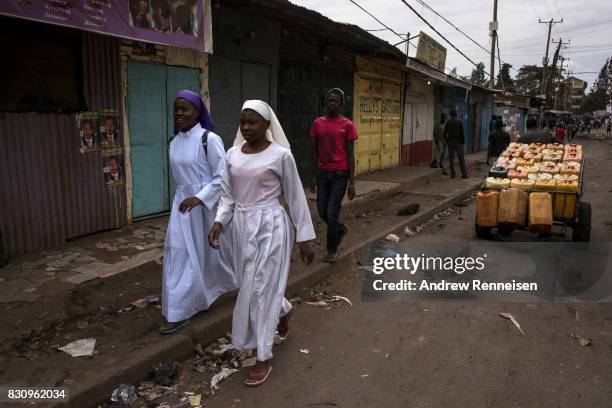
(176, 327)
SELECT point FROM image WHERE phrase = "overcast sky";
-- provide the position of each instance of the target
(587, 24)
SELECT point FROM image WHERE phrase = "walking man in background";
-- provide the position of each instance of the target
(334, 148)
(440, 143)
(498, 141)
(455, 138)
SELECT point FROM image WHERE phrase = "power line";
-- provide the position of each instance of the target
(422, 2)
(403, 37)
(437, 32)
(561, 15)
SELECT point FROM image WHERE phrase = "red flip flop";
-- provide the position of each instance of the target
(283, 330)
(257, 378)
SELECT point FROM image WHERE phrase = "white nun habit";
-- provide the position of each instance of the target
(263, 233)
(195, 274)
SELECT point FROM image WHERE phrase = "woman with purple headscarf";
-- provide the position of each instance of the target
(195, 275)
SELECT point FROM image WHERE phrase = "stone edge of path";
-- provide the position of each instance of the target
(209, 327)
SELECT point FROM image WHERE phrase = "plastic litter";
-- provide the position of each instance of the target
(145, 301)
(408, 231)
(125, 394)
(217, 378)
(509, 316)
(80, 348)
(195, 400)
(583, 341)
(305, 351)
(347, 300)
(392, 238)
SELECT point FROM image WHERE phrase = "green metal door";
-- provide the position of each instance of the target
(151, 92)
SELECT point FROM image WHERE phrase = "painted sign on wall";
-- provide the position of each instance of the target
(171, 22)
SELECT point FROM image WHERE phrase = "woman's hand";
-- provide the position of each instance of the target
(213, 235)
(306, 252)
(189, 203)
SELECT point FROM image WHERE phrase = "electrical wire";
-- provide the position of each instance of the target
(422, 2)
(437, 32)
(403, 37)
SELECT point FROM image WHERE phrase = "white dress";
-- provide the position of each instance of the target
(263, 236)
(195, 274)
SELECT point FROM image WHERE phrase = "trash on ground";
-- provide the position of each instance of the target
(347, 300)
(364, 375)
(195, 400)
(408, 231)
(145, 301)
(199, 349)
(583, 341)
(305, 351)
(317, 303)
(222, 349)
(80, 348)
(409, 210)
(392, 238)
(163, 373)
(509, 316)
(278, 339)
(125, 309)
(217, 378)
(249, 362)
(125, 394)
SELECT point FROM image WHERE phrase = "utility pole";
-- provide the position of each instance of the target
(493, 28)
(559, 80)
(557, 57)
(545, 60)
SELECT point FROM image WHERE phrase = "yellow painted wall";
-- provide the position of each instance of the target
(378, 116)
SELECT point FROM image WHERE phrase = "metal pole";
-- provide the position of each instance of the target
(493, 39)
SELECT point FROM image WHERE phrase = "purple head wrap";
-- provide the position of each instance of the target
(203, 118)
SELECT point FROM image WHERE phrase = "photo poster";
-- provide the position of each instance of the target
(87, 123)
(109, 132)
(112, 162)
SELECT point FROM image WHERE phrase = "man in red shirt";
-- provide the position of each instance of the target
(334, 148)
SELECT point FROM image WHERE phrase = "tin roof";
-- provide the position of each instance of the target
(347, 36)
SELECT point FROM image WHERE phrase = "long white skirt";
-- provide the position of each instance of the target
(262, 241)
(195, 274)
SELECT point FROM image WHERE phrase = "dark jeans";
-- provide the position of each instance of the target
(331, 187)
(456, 148)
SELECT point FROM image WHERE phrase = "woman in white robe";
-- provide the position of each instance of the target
(194, 274)
(259, 170)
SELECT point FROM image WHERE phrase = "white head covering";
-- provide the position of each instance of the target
(274, 133)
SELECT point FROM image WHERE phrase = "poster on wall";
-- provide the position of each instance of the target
(108, 131)
(169, 22)
(112, 162)
(87, 123)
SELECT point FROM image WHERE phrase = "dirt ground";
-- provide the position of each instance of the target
(434, 354)
(100, 308)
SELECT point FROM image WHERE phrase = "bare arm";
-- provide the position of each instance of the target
(350, 152)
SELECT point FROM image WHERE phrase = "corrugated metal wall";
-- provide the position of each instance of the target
(51, 192)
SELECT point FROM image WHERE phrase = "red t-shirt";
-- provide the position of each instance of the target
(332, 134)
(560, 133)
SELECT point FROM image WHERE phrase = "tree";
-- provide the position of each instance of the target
(504, 81)
(594, 101)
(529, 80)
(602, 87)
(478, 75)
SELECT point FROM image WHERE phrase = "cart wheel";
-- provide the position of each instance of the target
(582, 228)
(482, 232)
